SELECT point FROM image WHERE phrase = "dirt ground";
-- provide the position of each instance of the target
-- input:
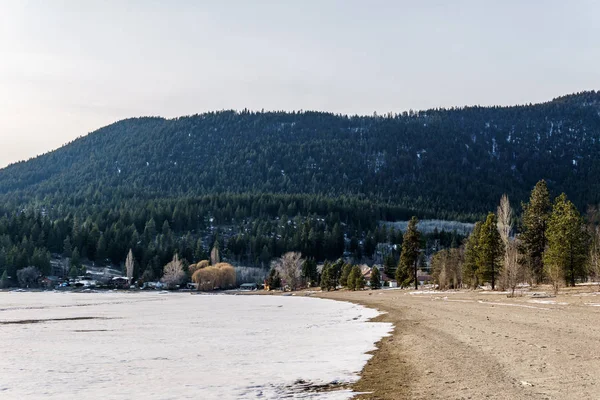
(483, 345)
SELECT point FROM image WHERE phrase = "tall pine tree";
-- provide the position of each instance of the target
(411, 246)
(490, 250)
(471, 265)
(535, 221)
(567, 243)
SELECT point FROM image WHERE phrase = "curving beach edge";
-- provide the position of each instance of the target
(387, 373)
(482, 344)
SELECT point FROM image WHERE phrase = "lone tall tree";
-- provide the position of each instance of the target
(567, 243)
(536, 214)
(491, 249)
(129, 266)
(411, 245)
(215, 256)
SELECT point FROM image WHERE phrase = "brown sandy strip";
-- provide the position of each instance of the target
(388, 373)
(474, 345)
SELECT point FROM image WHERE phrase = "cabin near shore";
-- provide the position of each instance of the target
(249, 286)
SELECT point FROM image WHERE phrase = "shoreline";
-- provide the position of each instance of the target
(476, 344)
(481, 344)
(387, 373)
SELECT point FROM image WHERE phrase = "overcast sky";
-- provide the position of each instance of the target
(70, 67)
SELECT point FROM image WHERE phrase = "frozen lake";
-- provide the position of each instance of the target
(178, 346)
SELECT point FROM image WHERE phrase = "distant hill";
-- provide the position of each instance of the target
(459, 160)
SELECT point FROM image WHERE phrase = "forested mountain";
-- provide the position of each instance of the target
(260, 184)
(443, 160)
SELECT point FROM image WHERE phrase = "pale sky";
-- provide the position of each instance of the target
(70, 67)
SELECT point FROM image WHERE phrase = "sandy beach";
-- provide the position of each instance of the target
(483, 345)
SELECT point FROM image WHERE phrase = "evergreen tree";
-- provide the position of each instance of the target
(265, 257)
(75, 258)
(359, 281)
(336, 272)
(327, 282)
(274, 279)
(490, 250)
(356, 281)
(471, 264)
(369, 245)
(535, 221)
(73, 272)
(411, 247)
(101, 250)
(310, 272)
(345, 273)
(199, 253)
(67, 249)
(41, 260)
(389, 266)
(567, 243)
(375, 279)
(148, 275)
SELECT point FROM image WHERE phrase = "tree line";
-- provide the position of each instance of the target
(551, 242)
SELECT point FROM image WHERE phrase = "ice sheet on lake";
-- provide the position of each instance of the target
(178, 346)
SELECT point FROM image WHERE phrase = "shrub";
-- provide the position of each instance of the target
(220, 276)
(28, 277)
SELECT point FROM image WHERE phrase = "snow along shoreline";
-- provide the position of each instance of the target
(157, 346)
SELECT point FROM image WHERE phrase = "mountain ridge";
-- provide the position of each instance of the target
(456, 159)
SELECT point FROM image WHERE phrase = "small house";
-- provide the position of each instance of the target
(119, 282)
(248, 286)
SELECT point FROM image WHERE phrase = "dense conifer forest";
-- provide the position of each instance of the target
(262, 183)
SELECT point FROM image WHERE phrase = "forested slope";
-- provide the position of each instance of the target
(456, 160)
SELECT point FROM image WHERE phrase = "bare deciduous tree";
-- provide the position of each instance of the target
(215, 256)
(129, 266)
(173, 273)
(446, 268)
(504, 213)
(512, 273)
(289, 267)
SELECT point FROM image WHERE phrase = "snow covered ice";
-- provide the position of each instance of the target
(178, 346)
